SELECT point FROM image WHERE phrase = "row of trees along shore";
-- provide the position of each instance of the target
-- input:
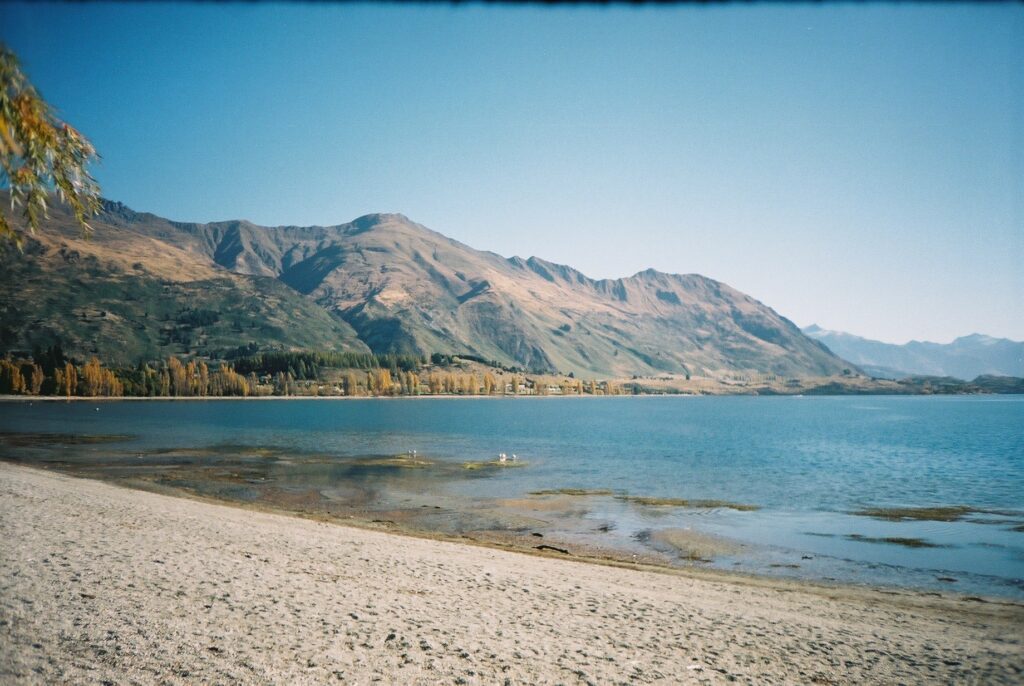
(50, 372)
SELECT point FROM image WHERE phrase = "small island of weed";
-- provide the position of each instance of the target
(649, 501)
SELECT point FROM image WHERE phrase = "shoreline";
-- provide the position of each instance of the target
(558, 547)
(582, 553)
(113, 581)
(209, 398)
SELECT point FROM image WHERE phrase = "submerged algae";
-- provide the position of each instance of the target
(573, 491)
(896, 540)
(683, 502)
(492, 464)
(29, 439)
(950, 513)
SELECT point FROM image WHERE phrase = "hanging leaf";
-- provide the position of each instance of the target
(39, 155)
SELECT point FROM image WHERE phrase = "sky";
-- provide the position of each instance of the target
(858, 167)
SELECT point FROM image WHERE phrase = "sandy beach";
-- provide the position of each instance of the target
(100, 584)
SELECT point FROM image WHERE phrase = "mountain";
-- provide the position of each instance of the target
(965, 358)
(145, 285)
(125, 296)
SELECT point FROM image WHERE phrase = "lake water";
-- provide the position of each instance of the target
(811, 466)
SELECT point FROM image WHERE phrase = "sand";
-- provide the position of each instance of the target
(104, 584)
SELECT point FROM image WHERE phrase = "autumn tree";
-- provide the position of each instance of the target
(90, 381)
(226, 381)
(435, 383)
(412, 383)
(70, 381)
(383, 382)
(11, 378)
(190, 376)
(39, 153)
(351, 384)
(36, 379)
(204, 379)
(180, 385)
(98, 381)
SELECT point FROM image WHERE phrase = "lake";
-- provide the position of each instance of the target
(824, 488)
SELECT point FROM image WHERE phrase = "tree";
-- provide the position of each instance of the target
(69, 383)
(204, 379)
(489, 383)
(36, 380)
(434, 382)
(383, 382)
(351, 385)
(11, 378)
(180, 385)
(39, 153)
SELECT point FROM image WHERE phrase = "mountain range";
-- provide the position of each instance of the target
(142, 287)
(965, 358)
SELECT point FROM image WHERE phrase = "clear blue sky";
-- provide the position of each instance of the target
(861, 167)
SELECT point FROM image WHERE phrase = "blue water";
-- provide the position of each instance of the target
(808, 463)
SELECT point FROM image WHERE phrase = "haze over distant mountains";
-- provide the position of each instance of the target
(144, 287)
(965, 358)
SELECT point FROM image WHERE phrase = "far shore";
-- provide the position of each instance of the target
(79, 398)
(108, 583)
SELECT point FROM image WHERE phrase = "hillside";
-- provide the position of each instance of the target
(387, 283)
(125, 297)
(965, 358)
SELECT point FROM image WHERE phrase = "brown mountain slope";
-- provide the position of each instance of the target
(127, 295)
(405, 288)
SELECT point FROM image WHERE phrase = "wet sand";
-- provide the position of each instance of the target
(101, 583)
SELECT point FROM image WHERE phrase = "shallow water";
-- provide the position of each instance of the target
(807, 465)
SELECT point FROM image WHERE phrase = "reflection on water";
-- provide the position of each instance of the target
(921, 492)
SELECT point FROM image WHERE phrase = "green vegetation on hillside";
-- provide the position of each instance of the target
(124, 316)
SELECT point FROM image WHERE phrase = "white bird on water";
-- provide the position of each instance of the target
(501, 457)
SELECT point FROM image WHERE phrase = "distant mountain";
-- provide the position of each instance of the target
(965, 358)
(144, 285)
